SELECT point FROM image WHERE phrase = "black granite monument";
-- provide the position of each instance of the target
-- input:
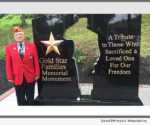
(116, 77)
(116, 72)
(59, 74)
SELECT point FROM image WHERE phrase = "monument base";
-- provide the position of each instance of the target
(115, 93)
(59, 91)
(87, 101)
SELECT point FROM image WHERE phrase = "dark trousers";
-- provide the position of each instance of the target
(25, 93)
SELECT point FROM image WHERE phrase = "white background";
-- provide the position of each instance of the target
(75, 7)
(64, 7)
(74, 121)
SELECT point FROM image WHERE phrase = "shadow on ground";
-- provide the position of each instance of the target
(4, 84)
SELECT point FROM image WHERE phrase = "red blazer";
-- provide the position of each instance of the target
(17, 67)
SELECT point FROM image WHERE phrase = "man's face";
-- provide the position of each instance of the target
(19, 36)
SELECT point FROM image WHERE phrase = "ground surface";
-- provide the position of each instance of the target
(9, 98)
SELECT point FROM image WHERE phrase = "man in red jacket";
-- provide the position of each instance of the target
(22, 67)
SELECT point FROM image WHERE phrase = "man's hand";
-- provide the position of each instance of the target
(37, 77)
(11, 81)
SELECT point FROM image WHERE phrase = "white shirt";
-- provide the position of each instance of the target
(23, 47)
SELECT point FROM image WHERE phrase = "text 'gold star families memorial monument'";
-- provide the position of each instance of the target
(59, 78)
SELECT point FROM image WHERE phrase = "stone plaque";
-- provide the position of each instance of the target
(59, 75)
(117, 69)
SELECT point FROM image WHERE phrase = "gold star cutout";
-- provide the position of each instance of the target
(52, 44)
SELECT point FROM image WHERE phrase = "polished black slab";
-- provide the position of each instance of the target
(87, 101)
(117, 69)
(59, 75)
